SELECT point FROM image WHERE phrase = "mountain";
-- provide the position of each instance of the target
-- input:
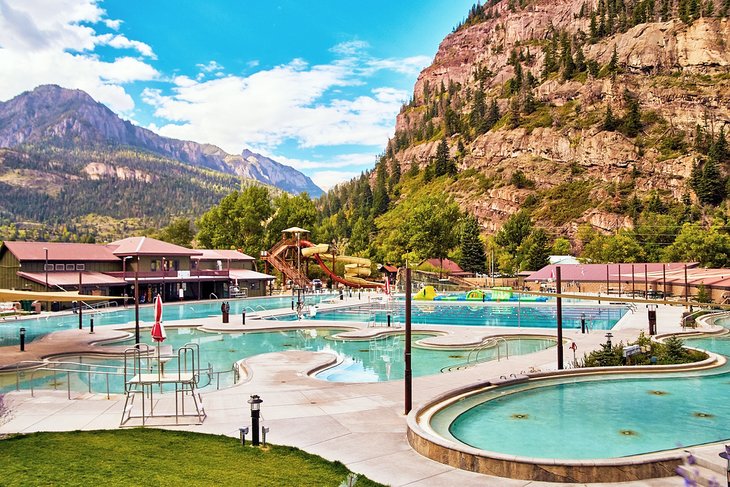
(65, 118)
(602, 125)
(596, 105)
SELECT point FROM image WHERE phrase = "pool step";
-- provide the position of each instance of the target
(702, 475)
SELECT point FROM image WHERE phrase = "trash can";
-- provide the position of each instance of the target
(26, 305)
(55, 306)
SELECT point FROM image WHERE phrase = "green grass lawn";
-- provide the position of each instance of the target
(156, 457)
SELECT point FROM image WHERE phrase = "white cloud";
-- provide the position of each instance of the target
(113, 24)
(350, 48)
(363, 160)
(329, 179)
(53, 41)
(285, 102)
(409, 66)
(121, 42)
(211, 67)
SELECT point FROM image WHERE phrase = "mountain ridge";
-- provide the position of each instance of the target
(69, 118)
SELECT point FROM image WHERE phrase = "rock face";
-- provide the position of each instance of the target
(67, 118)
(677, 72)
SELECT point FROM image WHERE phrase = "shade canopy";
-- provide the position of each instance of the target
(295, 230)
(68, 297)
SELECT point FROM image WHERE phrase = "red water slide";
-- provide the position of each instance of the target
(335, 277)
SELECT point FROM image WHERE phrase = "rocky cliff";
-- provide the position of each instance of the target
(557, 74)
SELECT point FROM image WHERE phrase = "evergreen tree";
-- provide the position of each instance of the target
(442, 158)
(477, 117)
(394, 173)
(580, 60)
(473, 256)
(493, 115)
(609, 122)
(718, 150)
(535, 251)
(632, 120)
(712, 184)
(593, 36)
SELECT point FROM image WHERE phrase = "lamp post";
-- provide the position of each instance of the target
(255, 403)
(45, 269)
(22, 339)
(582, 322)
(136, 302)
(608, 339)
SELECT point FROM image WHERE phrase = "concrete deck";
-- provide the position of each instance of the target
(361, 425)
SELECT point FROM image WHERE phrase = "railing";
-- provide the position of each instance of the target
(66, 368)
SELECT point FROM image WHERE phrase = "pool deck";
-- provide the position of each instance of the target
(361, 425)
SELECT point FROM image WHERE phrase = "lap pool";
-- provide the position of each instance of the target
(533, 315)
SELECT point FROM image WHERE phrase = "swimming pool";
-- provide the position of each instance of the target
(481, 314)
(591, 418)
(42, 325)
(373, 360)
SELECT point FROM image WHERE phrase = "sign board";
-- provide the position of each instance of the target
(183, 274)
(631, 350)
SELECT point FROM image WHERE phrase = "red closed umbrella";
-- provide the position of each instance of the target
(158, 332)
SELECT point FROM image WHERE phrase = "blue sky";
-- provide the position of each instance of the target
(315, 85)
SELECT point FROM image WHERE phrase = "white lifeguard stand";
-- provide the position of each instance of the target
(140, 379)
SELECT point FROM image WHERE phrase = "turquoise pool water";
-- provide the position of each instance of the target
(482, 314)
(587, 419)
(42, 325)
(360, 360)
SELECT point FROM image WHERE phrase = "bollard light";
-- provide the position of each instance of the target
(91, 325)
(264, 430)
(608, 339)
(255, 403)
(22, 339)
(243, 315)
(242, 433)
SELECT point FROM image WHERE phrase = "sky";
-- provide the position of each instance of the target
(315, 85)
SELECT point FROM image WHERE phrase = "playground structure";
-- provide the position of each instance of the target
(285, 256)
(495, 294)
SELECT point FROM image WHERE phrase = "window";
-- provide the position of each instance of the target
(48, 267)
(80, 267)
(70, 267)
(60, 267)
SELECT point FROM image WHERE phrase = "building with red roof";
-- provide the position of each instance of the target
(114, 270)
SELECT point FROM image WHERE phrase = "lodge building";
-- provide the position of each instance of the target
(113, 270)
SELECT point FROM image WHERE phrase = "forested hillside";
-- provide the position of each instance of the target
(595, 128)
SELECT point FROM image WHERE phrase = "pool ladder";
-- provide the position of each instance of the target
(473, 357)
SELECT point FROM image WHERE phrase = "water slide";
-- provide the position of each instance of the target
(355, 267)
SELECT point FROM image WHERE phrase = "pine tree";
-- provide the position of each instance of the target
(609, 123)
(718, 148)
(632, 120)
(593, 36)
(394, 173)
(493, 115)
(473, 256)
(477, 117)
(442, 159)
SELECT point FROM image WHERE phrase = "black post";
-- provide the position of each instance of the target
(686, 285)
(136, 303)
(244, 317)
(619, 280)
(646, 281)
(608, 284)
(91, 325)
(664, 278)
(652, 319)
(407, 355)
(22, 339)
(255, 427)
(80, 303)
(582, 322)
(633, 282)
(560, 317)
(388, 319)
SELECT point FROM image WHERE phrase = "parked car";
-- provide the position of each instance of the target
(317, 283)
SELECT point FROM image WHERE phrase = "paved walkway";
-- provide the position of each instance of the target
(361, 425)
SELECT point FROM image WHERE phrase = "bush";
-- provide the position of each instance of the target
(669, 352)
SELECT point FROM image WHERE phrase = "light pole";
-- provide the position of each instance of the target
(652, 318)
(124, 276)
(608, 339)
(136, 302)
(255, 403)
(45, 269)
